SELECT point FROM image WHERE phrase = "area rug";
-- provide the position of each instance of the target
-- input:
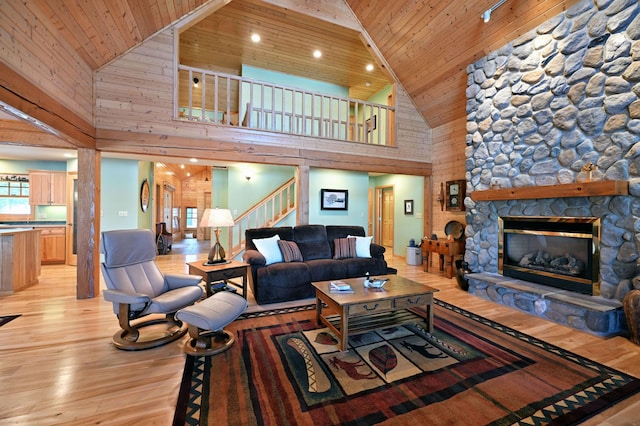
(285, 369)
(6, 318)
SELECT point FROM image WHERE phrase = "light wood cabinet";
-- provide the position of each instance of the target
(47, 188)
(53, 245)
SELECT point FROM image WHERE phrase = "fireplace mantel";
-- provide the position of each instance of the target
(569, 190)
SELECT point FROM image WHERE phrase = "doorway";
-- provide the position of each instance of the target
(385, 215)
(72, 218)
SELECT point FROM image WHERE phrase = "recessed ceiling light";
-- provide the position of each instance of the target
(317, 53)
(369, 67)
(182, 166)
(255, 38)
(193, 160)
(367, 83)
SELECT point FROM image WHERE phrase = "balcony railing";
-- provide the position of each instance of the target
(236, 101)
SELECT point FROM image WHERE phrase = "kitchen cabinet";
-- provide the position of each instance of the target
(47, 188)
(53, 245)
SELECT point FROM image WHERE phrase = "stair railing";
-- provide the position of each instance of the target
(265, 213)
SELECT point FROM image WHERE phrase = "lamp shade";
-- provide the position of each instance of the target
(216, 218)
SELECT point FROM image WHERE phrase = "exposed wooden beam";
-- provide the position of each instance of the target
(18, 93)
(23, 133)
(218, 150)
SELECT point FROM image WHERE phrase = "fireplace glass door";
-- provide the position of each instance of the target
(558, 252)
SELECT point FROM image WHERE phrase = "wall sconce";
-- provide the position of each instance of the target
(195, 81)
(248, 178)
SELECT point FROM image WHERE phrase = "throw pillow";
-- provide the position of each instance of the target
(344, 248)
(290, 251)
(268, 247)
(363, 246)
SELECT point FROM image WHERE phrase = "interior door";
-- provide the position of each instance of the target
(72, 215)
(387, 218)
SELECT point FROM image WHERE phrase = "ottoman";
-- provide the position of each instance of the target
(207, 320)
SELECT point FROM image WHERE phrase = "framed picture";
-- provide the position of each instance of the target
(408, 206)
(334, 199)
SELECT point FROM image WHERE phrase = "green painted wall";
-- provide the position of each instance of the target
(357, 183)
(119, 193)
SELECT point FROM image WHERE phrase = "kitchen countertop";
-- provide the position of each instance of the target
(13, 230)
(33, 223)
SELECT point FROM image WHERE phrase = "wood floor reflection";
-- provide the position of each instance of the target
(58, 365)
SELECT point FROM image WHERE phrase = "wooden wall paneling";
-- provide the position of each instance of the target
(40, 54)
(449, 145)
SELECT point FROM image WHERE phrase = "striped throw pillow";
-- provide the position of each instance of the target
(344, 248)
(290, 251)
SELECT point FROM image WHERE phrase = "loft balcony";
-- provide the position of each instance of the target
(231, 100)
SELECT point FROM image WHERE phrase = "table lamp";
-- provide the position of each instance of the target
(215, 218)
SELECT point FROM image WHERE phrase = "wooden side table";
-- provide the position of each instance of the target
(221, 272)
(447, 251)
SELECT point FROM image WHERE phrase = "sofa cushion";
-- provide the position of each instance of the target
(268, 247)
(290, 251)
(360, 266)
(363, 246)
(344, 248)
(326, 269)
(312, 241)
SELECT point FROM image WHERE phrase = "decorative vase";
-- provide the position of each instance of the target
(462, 269)
(631, 306)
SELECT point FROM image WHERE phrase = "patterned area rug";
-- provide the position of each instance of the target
(285, 369)
(7, 318)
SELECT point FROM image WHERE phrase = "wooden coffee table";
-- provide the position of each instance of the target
(369, 309)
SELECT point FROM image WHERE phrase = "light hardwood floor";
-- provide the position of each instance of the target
(58, 366)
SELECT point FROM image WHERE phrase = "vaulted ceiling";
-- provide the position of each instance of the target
(426, 44)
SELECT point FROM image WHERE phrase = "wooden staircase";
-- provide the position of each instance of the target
(265, 213)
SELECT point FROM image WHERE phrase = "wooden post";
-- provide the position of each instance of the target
(302, 195)
(88, 224)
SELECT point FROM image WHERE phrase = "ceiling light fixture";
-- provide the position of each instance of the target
(317, 53)
(255, 37)
(195, 81)
(369, 67)
(486, 16)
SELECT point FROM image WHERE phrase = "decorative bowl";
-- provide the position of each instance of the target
(377, 283)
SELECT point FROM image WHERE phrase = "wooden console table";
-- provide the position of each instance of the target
(447, 250)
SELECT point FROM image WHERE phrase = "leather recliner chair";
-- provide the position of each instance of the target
(140, 293)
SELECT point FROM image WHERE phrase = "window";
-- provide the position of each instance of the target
(192, 217)
(14, 195)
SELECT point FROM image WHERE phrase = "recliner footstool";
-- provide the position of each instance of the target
(207, 320)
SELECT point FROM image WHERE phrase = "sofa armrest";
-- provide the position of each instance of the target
(254, 257)
(377, 250)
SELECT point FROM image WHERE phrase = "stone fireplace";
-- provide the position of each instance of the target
(552, 109)
(561, 252)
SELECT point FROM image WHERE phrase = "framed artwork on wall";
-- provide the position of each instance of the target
(334, 199)
(408, 207)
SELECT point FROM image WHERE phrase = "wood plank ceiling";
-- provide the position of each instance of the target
(427, 44)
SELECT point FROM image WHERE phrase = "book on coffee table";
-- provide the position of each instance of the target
(340, 287)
